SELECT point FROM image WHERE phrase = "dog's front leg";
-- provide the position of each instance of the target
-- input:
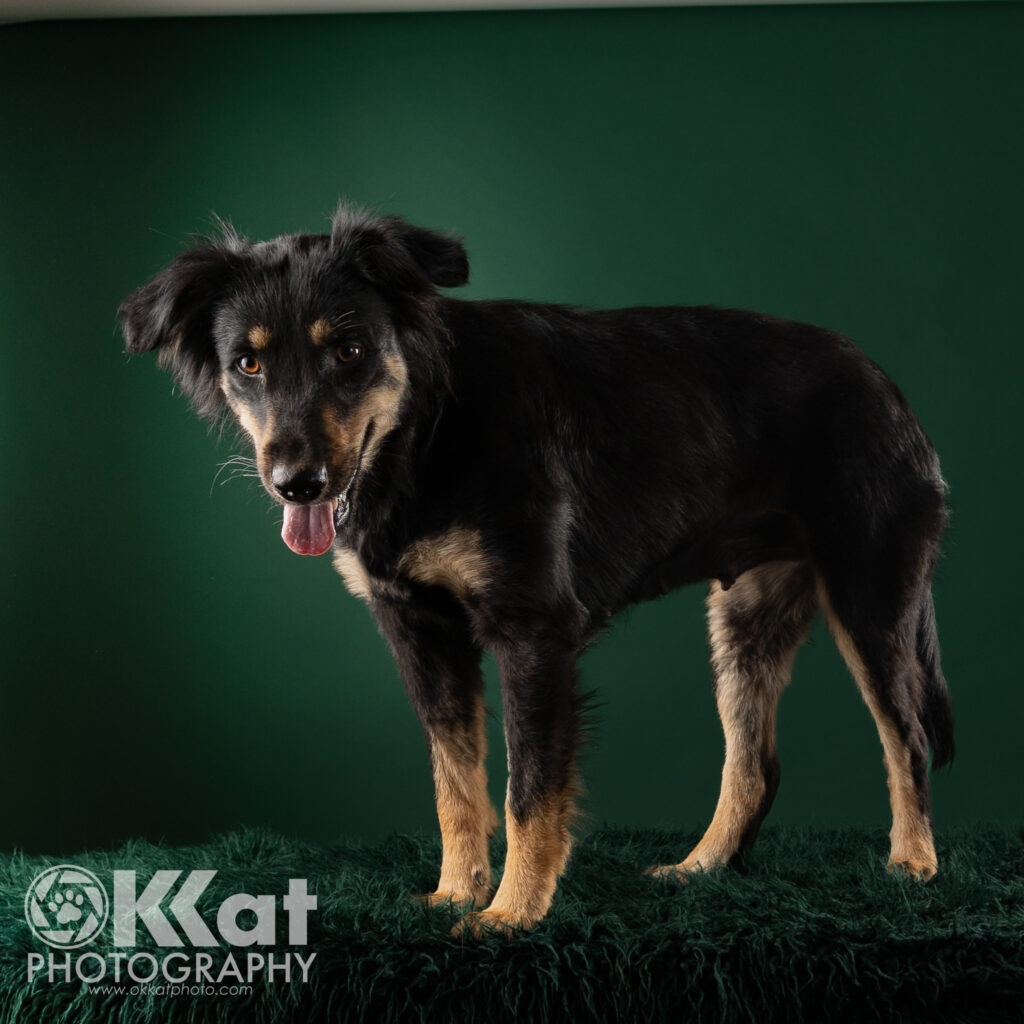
(440, 666)
(542, 724)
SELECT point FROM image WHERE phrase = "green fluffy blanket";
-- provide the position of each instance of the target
(811, 928)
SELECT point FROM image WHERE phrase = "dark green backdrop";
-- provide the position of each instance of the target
(170, 669)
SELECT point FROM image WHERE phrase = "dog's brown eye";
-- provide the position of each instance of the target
(350, 352)
(249, 365)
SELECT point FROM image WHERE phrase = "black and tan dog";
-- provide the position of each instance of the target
(507, 476)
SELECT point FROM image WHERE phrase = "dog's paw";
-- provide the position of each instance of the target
(485, 924)
(672, 872)
(454, 899)
(917, 868)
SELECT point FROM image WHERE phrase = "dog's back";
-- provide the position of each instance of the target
(734, 437)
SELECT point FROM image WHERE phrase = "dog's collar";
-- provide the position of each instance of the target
(344, 507)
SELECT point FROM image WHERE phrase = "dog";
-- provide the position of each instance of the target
(507, 476)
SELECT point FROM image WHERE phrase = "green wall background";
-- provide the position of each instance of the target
(855, 166)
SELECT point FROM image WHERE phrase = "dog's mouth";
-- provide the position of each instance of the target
(311, 529)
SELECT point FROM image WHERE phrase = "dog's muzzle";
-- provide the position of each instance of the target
(310, 525)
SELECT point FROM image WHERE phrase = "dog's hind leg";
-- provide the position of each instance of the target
(884, 660)
(440, 666)
(755, 628)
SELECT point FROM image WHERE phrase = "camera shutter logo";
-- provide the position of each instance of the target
(66, 906)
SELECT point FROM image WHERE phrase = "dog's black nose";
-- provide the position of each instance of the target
(305, 485)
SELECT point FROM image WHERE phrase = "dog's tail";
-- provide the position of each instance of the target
(936, 704)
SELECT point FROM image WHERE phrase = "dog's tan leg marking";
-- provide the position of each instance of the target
(912, 846)
(454, 559)
(538, 849)
(755, 629)
(465, 813)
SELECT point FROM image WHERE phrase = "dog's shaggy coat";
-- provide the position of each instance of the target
(508, 476)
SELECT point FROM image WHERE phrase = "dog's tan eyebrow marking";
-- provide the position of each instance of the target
(259, 336)
(319, 331)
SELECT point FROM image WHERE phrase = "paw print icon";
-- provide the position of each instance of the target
(66, 906)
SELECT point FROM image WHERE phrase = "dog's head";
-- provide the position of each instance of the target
(312, 342)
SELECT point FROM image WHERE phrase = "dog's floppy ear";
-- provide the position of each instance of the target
(174, 313)
(393, 254)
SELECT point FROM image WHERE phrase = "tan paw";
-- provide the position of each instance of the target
(484, 924)
(918, 868)
(455, 898)
(680, 872)
(668, 873)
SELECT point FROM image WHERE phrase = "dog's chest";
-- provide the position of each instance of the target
(455, 559)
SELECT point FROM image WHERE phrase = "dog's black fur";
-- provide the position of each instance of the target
(509, 475)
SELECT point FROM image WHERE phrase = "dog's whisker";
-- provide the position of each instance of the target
(239, 466)
(239, 476)
(343, 320)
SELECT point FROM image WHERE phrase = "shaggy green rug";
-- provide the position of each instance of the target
(811, 928)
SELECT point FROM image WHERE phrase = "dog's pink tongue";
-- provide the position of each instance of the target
(308, 529)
